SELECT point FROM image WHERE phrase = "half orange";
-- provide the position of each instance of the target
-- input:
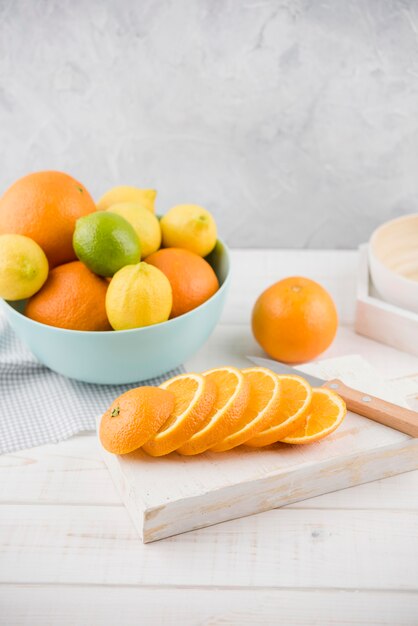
(194, 398)
(134, 417)
(231, 401)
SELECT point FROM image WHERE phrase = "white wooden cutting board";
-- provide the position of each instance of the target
(175, 494)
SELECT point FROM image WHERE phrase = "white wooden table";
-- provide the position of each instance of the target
(69, 554)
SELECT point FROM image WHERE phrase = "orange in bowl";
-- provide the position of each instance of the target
(45, 206)
(192, 279)
(72, 298)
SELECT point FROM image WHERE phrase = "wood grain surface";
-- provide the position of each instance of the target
(69, 554)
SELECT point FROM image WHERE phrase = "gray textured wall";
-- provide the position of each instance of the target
(295, 122)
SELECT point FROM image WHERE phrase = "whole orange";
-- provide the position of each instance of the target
(45, 206)
(192, 279)
(294, 320)
(72, 297)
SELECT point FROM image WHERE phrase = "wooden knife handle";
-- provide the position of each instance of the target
(376, 409)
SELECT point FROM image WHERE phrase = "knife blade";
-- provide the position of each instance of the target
(360, 402)
(282, 368)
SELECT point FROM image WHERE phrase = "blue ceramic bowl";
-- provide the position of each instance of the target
(124, 356)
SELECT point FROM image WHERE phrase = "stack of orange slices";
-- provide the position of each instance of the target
(219, 410)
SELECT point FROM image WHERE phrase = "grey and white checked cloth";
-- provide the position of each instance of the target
(40, 406)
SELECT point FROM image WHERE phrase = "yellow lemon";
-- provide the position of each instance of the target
(144, 223)
(23, 267)
(138, 295)
(124, 193)
(191, 227)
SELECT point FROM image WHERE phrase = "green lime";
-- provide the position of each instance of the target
(106, 242)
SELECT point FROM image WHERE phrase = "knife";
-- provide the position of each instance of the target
(397, 417)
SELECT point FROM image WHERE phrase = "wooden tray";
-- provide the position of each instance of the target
(174, 494)
(379, 320)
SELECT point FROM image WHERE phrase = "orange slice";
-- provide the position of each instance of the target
(134, 417)
(231, 401)
(194, 398)
(295, 398)
(261, 408)
(326, 412)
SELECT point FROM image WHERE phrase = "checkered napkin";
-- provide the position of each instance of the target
(39, 406)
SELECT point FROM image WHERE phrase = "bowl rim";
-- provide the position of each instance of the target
(375, 258)
(107, 333)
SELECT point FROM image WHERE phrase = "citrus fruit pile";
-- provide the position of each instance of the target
(113, 265)
(218, 410)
